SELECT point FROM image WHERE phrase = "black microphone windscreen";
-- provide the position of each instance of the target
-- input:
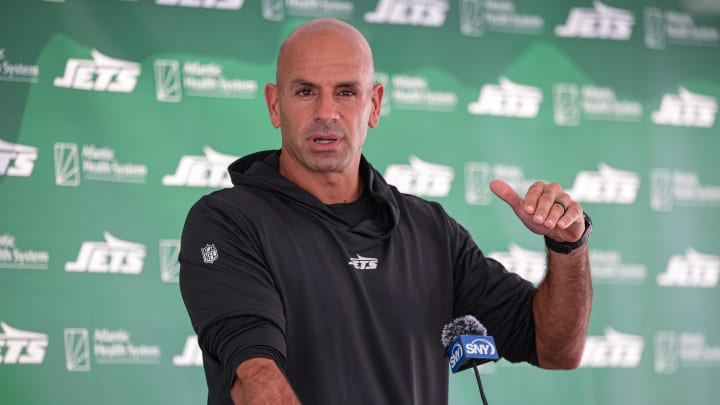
(464, 325)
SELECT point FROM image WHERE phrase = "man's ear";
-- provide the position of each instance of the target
(377, 94)
(272, 100)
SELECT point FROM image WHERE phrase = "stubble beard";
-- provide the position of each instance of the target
(330, 161)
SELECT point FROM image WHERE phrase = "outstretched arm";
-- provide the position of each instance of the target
(561, 306)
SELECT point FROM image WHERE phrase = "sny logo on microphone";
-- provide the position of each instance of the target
(467, 349)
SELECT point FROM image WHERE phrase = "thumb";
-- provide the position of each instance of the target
(507, 194)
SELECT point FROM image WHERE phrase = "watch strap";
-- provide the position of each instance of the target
(567, 247)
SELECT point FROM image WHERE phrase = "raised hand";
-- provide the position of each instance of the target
(545, 210)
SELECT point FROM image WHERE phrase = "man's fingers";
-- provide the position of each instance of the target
(506, 193)
(541, 213)
(556, 212)
(545, 203)
(532, 196)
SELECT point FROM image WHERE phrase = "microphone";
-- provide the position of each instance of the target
(467, 345)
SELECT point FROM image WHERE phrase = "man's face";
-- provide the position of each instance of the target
(323, 102)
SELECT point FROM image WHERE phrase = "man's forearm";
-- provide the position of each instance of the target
(260, 381)
(562, 309)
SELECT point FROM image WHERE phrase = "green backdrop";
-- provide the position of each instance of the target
(115, 116)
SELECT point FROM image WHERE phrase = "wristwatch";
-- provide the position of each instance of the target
(567, 247)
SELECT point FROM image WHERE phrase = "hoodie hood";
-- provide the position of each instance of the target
(260, 170)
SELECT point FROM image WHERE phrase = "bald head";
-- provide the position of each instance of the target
(324, 36)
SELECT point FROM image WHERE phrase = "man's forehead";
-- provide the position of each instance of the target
(317, 66)
(325, 46)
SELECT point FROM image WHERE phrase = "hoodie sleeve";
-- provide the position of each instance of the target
(500, 300)
(228, 291)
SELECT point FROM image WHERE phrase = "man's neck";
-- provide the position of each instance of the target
(328, 187)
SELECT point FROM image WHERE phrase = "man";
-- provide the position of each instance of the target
(313, 280)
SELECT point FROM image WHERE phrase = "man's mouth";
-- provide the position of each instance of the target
(324, 141)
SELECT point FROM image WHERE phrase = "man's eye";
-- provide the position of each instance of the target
(346, 93)
(304, 92)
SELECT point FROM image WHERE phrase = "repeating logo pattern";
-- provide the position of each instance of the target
(666, 127)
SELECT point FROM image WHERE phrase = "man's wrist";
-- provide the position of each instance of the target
(567, 247)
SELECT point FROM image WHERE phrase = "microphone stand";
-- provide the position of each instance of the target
(477, 377)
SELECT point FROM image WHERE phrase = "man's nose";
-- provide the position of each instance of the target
(326, 109)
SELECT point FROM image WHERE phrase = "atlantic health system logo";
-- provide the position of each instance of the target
(12, 257)
(671, 188)
(572, 102)
(675, 350)
(72, 164)
(413, 92)
(480, 16)
(478, 176)
(276, 10)
(663, 27)
(198, 79)
(17, 72)
(105, 346)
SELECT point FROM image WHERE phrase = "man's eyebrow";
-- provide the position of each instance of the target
(306, 83)
(351, 83)
(303, 83)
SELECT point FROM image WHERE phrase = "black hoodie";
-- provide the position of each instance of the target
(352, 313)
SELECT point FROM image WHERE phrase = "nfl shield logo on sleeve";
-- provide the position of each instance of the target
(209, 253)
